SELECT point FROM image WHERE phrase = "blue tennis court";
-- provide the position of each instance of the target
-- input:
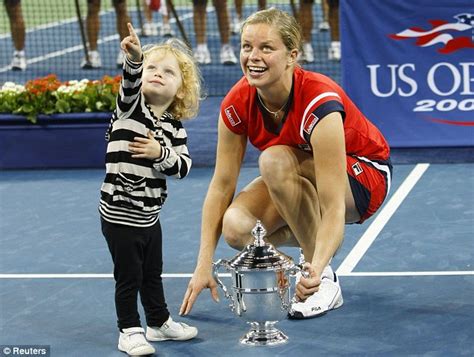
(406, 274)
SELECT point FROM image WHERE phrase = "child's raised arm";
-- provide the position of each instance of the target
(131, 45)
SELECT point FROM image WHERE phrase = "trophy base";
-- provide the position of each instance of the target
(263, 335)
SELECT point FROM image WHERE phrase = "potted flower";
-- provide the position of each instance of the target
(70, 122)
(47, 95)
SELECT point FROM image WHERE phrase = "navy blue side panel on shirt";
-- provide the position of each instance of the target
(323, 110)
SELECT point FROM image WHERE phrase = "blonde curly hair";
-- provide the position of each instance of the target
(187, 106)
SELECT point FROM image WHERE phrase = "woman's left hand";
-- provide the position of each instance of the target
(145, 148)
(309, 285)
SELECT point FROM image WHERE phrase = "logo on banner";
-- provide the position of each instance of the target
(450, 34)
(232, 116)
(442, 88)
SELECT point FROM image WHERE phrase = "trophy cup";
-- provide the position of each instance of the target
(260, 292)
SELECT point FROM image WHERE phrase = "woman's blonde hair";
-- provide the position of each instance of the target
(286, 25)
(185, 106)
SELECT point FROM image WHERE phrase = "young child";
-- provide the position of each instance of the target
(146, 142)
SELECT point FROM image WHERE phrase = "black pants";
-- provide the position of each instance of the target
(138, 264)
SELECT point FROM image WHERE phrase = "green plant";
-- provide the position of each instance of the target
(50, 96)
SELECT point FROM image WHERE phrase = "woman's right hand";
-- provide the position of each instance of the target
(131, 45)
(202, 279)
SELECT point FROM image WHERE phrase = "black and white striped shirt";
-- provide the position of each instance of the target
(134, 190)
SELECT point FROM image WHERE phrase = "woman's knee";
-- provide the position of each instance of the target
(276, 164)
(236, 228)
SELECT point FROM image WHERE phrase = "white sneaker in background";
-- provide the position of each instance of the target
(166, 31)
(235, 26)
(308, 53)
(18, 61)
(132, 341)
(328, 297)
(334, 52)
(93, 62)
(120, 59)
(202, 54)
(323, 26)
(227, 55)
(149, 29)
(171, 330)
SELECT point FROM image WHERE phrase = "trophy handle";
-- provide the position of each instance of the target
(216, 265)
(297, 268)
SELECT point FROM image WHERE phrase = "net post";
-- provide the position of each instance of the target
(171, 7)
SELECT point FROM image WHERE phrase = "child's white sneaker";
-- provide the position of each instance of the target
(328, 297)
(171, 330)
(132, 341)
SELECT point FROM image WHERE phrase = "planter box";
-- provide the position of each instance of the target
(74, 140)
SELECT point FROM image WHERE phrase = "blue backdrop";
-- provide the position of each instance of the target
(409, 67)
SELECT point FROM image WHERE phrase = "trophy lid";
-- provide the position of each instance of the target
(260, 255)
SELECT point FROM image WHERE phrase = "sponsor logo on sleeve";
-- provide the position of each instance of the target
(310, 123)
(232, 116)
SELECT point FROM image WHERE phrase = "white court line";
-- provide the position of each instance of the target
(227, 275)
(410, 273)
(87, 276)
(356, 254)
(42, 27)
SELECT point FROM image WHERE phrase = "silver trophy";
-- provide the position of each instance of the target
(260, 292)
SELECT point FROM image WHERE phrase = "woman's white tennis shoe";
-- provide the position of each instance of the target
(328, 297)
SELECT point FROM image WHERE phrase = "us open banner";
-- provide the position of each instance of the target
(409, 66)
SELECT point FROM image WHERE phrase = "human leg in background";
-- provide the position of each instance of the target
(334, 52)
(149, 28)
(306, 22)
(201, 52)
(17, 28)
(121, 21)
(166, 30)
(92, 31)
(227, 55)
(324, 25)
(239, 16)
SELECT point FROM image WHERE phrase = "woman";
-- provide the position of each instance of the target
(323, 164)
